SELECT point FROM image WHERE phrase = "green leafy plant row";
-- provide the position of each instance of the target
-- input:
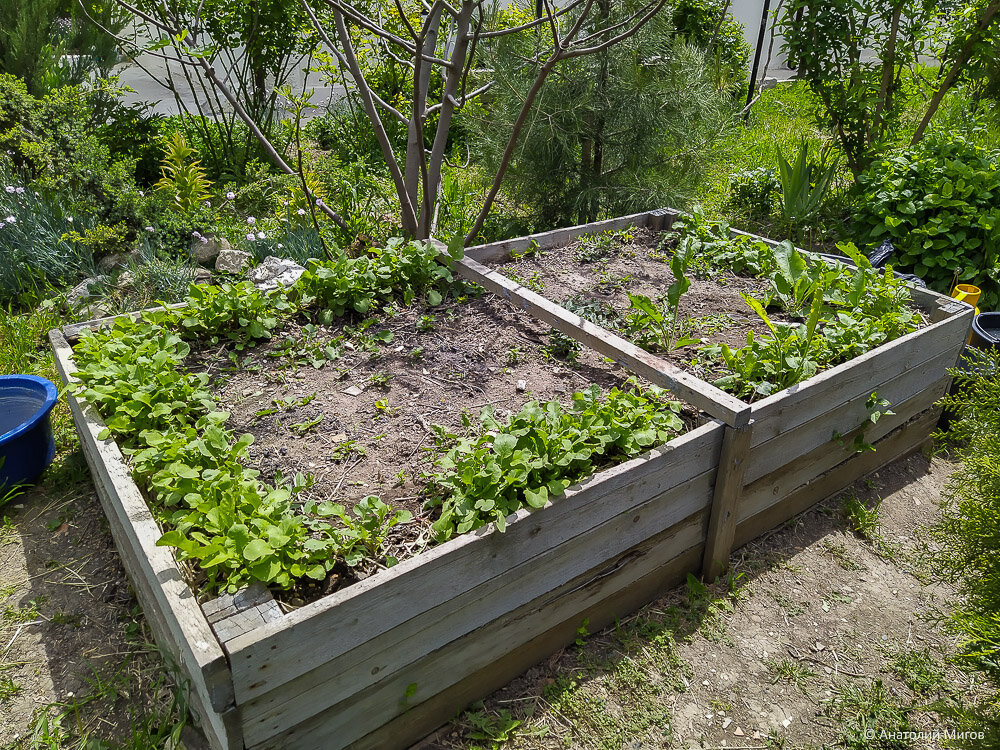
(539, 452)
(838, 312)
(218, 513)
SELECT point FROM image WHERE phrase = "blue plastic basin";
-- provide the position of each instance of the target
(26, 443)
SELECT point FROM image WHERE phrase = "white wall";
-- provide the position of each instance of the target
(748, 13)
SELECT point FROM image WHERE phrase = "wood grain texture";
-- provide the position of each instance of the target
(535, 578)
(497, 252)
(771, 489)
(280, 652)
(902, 441)
(811, 398)
(168, 603)
(728, 488)
(705, 396)
(842, 416)
(440, 670)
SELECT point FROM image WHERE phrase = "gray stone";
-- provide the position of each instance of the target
(768, 83)
(81, 293)
(114, 261)
(202, 276)
(205, 251)
(232, 261)
(275, 272)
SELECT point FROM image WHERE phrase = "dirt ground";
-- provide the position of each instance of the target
(819, 634)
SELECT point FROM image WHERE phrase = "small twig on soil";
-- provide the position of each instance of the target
(17, 632)
(836, 667)
(343, 476)
(420, 443)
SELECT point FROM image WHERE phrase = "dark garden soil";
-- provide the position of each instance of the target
(365, 422)
(598, 274)
(581, 274)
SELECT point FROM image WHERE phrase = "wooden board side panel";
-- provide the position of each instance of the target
(807, 400)
(170, 606)
(843, 417)
(426, 717)
(496, 252)
(901, 442)
(336, 680)
(279, 652)
(442, 669)
(769, 490)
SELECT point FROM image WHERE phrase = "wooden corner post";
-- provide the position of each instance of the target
(728, 485)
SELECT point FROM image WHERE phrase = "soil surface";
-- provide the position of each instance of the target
(594, 276)
(601, 276)
(366, 420)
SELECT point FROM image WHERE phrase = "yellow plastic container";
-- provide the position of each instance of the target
(967, 293)
(970, 295)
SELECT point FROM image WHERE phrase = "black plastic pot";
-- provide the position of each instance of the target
(986, 330)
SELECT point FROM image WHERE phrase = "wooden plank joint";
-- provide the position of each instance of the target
(725, 502)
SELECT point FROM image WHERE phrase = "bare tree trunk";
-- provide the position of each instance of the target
(985, 20)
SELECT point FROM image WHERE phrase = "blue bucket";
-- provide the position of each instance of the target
(26, 443)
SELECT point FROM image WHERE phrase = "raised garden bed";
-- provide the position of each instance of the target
(382, 662)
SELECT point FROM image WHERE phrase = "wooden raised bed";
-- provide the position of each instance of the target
(387, 660)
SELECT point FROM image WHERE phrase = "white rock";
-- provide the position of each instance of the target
(232, 261)
(275, 272)
(522, 385)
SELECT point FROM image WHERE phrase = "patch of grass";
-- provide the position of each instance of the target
(841, 554)
(25, 613)
(8, 689)
(862, 519)
(869, 709)
(791, 607)
(919, 671)
(791, 672)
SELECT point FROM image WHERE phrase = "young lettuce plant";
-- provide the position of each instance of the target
(654, 326)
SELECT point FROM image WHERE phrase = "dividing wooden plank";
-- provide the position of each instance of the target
(845, 417)
(504, 249)
(344, 675)
(704, 396)
(169, 604)
(902, 441)
(807, 400)
(728, 487)
(277, 653)
(441, 669)
(770, 489)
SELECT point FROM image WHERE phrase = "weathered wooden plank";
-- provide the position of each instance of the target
(279, 652)
(844, 417)
(728, 487)
(170, 607)
(227, 605)
(769, 489)
(439, 670)
(807, 400)
(902, 441)
(538, 576)
(705, 396)
(424, 718)
(245, 620)
(504, 249)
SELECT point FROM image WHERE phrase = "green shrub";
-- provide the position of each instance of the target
(35, 250)
(969, 534)
(702, 22)
(939, 204)
(754, 190)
